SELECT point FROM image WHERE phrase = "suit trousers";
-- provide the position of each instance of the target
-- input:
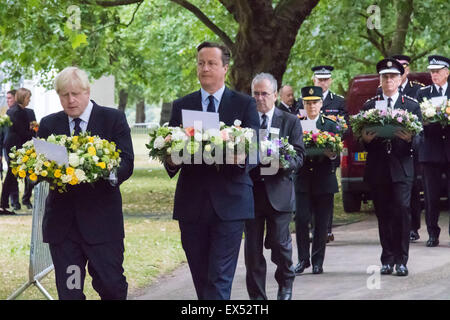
(432, 177)
(212, 250)
(27, 191)
(104, 262)
(319, 207)
(10, 185)
(278, 240)
(392, 208)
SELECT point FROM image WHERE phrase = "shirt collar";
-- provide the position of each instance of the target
(444, 88)
(394, 98)
(268, 114)
(403, 85)
(86, 113)
(217, 95)
(315, 119)
(324, 95)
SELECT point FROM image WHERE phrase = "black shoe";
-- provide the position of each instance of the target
(301, 266)
(284, 293)
(28, 205)
(386, 269)
(317, 270)
(330, 237)
(16, 206)
(402, 270)
(6, 212)
(414, 235)
(432, 242)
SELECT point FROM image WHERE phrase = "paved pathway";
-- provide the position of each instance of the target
(346, 274)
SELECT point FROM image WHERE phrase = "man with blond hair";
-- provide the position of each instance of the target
(85, 224)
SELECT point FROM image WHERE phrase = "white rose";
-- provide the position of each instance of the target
(198, 136)
(208, 148)
(74, 160)
(80, 175)
(237, 123)
(159, 143)
(431, 112)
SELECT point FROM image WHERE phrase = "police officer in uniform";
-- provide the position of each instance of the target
(434, 152)
(389, 172)
(315, 186)
(409, 88)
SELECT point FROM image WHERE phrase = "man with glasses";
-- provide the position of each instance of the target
(273, 192)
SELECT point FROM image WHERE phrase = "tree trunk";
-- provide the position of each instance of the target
(123, 99)
(404, 11)
(265, 38)
(166, 110)
(140, 111)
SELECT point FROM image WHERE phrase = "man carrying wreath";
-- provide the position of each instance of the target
(212, 205)
(390, 172)
(85, 224)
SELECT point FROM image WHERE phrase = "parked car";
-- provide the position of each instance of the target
(353, 156)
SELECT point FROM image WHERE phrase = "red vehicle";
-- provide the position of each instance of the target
(353, 157)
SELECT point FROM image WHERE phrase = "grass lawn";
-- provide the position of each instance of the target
(152, 240)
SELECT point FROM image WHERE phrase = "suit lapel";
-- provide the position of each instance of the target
(226, 113)
(93, 119)
(62, 126)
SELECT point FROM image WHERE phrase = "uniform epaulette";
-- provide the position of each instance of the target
(339, 95)
(326, 117)
(370, 99)
(410, 98)
(417, 82)
(426, 87)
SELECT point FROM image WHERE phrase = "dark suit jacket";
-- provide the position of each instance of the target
(280, 186)
(318, 174)
(398, 166)
(19, 132)
(97, 208)
(435, 139)
(282, 107)
(230, 188)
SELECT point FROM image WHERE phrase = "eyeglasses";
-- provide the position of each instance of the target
(261, 94)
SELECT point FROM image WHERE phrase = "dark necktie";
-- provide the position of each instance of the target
(211, 105)
(389, 105)
(441, 91)
(77, 128)
(264, 122)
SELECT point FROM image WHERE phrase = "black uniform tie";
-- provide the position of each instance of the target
(441, 93)
(389, 105)
(77, 128)
(211, 105)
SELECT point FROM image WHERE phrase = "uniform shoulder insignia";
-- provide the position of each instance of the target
(370, 99)
(410, 98)
(426, 87)
(339, 96)
(417, 82)
(328, 118)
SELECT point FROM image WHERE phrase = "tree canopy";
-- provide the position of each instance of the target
(149, 45)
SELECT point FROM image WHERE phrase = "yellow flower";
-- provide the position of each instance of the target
(22, 174)
(92, 151)
(33, 177)
(29, 151)
(75, 139)
(101, 165)
(25, 158)
(91, 139)
(14, 171)
(70, 171)
(57, 173)
(30, 171)
(33, 155)
(47, 164)
(44, 173)
(74, 180)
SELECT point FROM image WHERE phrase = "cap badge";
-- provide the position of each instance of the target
(311, 91)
